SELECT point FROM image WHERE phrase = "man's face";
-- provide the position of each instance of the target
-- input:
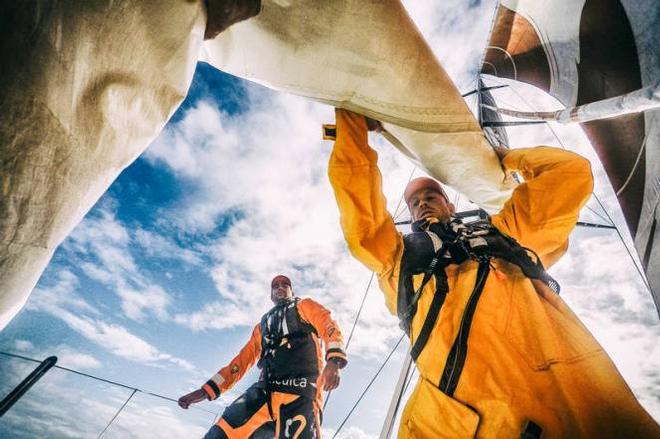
(427, 202)
(280, 290)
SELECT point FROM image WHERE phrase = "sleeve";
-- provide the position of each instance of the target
(368, 228)
(319, 317)
(234, 371)
(543, 210)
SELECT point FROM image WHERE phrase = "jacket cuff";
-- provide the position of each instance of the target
(338, 356)
(212, 386)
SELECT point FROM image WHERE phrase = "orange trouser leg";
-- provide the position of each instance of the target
(245, 430)
(297, 417)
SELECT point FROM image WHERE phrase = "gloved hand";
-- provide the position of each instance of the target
(192, 398)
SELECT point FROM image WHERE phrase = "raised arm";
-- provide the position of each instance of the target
(367, 225)
(543, 210)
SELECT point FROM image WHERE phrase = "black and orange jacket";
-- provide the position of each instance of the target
(287, 344)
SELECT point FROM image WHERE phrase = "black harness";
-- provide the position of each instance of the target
(288, 352)
(434, 246)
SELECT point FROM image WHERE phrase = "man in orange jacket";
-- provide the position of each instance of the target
(500, 355)
(287, 344)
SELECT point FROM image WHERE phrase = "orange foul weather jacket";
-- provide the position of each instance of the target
(296, 366)
(532, 369)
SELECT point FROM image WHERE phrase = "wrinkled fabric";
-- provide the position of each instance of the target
(529, 358)
(368, 57)
(86, 87)
(89, 85)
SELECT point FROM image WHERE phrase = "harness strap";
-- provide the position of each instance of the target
(406, 317)
(458, 352)
(441, 290)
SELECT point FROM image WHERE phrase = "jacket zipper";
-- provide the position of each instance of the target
(458, 353)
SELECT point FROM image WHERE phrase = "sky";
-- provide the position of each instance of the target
(161, 283)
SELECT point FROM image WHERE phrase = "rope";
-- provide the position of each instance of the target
(400, 398)
(597, 214)
(368, 387)
(396, 211)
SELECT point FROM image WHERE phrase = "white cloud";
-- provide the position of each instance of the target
(119, 340)
(151, 298)
(160, 246)
(275, 176)
(104, 246)
(62, 302)
(74, 359)
(23, 345)
(70, 406)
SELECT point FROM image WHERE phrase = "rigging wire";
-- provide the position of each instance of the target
(366, 291)
(632, 257)
(116, 414)
(77, 372)
(396, 210)
(357, 317)
(625, 245)
(598, 214)
(364, 392)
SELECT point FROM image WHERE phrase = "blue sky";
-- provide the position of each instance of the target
(161, 283)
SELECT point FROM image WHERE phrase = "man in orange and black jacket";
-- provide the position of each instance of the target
(287, 344)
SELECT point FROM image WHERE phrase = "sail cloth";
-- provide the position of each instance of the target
(586, 51)
(92, 83)
(370, 58)
(86, 87)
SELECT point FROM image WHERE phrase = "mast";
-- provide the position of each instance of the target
(397, 396)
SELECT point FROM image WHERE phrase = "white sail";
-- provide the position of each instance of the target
(86, 87)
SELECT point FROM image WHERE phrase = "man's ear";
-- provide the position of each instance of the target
(452, 208)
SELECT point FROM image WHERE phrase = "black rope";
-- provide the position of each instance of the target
(368, 387)
(114, 383)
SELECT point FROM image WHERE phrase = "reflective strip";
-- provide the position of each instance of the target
(217, 379)
(335, 354)
(209, 391)
(285, 326)
(336, 345)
